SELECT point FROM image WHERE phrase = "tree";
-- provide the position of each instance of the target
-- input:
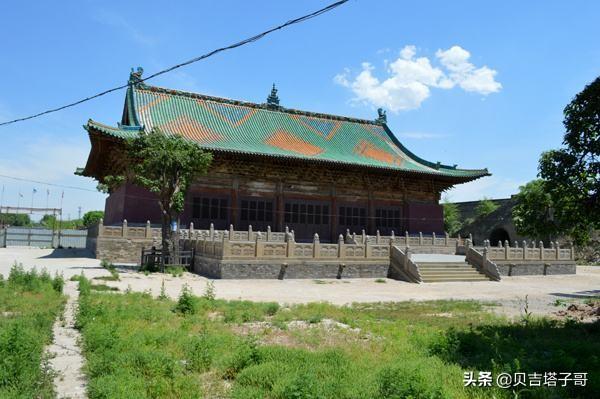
(533, 214)
(452, 222)
(572, 173)
(485, 207)
(92, 217)
(166, 166)
(14, 219)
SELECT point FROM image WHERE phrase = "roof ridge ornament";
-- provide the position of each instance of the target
(273, 99)
(381, 116)
(135, 77)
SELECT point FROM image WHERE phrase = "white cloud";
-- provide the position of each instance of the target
(411, 78)
(466, 75)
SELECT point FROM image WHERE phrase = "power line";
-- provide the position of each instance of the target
(193, 60)
(48, 184)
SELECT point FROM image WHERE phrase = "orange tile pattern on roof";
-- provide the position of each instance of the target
(191, 129)
(289, 142)
(368, 150)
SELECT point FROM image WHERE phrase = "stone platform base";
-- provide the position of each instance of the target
(536, 268)
(282, 269)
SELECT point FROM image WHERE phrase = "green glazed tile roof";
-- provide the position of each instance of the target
(226, 125)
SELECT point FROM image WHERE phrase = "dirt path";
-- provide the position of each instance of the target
(66, 359)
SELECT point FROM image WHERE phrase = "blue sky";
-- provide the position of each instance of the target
(466, 82)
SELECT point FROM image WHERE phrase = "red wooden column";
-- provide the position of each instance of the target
(279, 207)
(333, 215)
(233, 207)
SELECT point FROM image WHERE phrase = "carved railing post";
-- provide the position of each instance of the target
(392, 237)
(268, 233)
(290, 244)
(231, 232)
(316, 245)
(100, 227)
(420, 238)
(407, 237)
(249, 232)
(407, 256)
(340, 246)
(541, 250)
(377, 237)
(148, 232)
(446, 239)
(506, 249)
(572, 251)
(211, 231)
(433, 238)
(557, 250)
(364, 237)
(226, 251)
(124, 231)
(471, 237)
(258, 245)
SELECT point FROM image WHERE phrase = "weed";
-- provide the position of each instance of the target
(175, 270)
(380, 280)
(186, 303)
(29, 304)
(163, 292)
(209, 291)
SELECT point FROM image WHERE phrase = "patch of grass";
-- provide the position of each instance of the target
(114, 274)
(380, 280)
(103, 287)
(175, 270)
(29, 304)
(137, 346)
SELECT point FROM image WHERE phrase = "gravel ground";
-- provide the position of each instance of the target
(509, 294)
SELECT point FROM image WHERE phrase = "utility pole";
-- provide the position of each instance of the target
(79, 212)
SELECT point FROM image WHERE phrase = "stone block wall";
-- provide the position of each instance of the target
(282, 269)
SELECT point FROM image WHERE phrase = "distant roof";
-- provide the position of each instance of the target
(219, 124)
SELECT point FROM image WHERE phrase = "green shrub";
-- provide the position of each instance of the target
(163, 292)
(175, 270)
(199, 352)
(186, 304)
(243, 355)
(406, 380)
(58, 283)
(209, 291)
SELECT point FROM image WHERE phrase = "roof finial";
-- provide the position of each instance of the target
(381, 116)
(135, 76)
(273, 99)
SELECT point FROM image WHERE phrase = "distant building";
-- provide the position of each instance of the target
(496, 226)
(313, 172)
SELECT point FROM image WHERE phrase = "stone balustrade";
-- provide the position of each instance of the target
(222, 247)
(527, 252)
(420, 239)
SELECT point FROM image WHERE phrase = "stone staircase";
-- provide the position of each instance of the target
(444, 268)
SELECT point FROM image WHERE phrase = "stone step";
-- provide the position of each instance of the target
(446, 273)
(450, 269)
(437, 272)
(454, 279)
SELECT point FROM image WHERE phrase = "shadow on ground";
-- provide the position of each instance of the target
(579, 294)
(530, 346)
(69, 253)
